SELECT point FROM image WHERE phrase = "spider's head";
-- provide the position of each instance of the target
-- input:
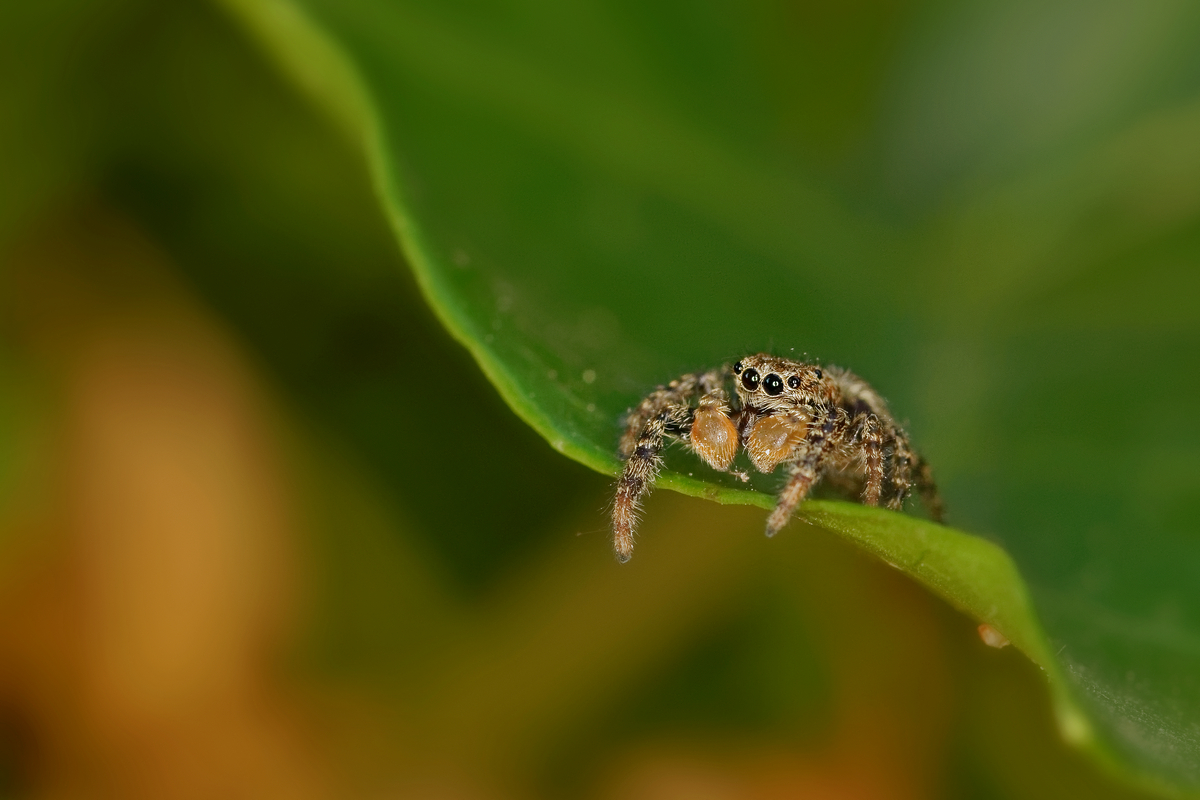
(769, 382)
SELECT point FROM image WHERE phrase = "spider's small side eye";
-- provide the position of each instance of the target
(819, 374)
(773, 384)
(737, 368)
(750, 379)
(794, 382)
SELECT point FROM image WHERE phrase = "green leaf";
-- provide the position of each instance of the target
(992, 213)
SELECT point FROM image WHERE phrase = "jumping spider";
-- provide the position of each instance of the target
(820, 422)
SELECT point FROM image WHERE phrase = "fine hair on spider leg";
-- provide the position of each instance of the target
(667, 413)
(816, 421)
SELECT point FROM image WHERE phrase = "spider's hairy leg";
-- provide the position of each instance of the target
(639, 473)
(804, 471)
(664, 412)
(929, 491)
(872, 444)
(677, 393)
(909, 470)
(902, 470)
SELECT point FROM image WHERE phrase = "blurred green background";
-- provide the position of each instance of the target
(268, 530)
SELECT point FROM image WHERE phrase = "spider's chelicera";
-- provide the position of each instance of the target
(822, 424)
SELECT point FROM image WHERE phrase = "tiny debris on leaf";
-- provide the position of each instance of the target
(992, 637)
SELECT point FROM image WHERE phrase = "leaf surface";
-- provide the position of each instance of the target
(995, 225)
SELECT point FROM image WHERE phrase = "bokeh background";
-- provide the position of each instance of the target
(267, 531)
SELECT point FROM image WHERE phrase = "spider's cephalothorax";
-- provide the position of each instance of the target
(821, 422)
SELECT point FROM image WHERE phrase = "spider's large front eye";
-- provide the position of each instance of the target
(773, 384)
(750, 379)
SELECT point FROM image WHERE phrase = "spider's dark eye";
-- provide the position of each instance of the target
(773, 384)
(750, 379)
(818, 373)
(794, 382)
(737, 368)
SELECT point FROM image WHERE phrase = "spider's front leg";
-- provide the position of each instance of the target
(666, 413)
(805, 469)
(641, 468)
(678, 392)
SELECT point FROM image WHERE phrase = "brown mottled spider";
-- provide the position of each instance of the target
(821, 422)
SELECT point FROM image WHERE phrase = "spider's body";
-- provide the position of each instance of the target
(819, 422)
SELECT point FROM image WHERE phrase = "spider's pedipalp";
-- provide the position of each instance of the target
(771, 439)
(714, 437)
